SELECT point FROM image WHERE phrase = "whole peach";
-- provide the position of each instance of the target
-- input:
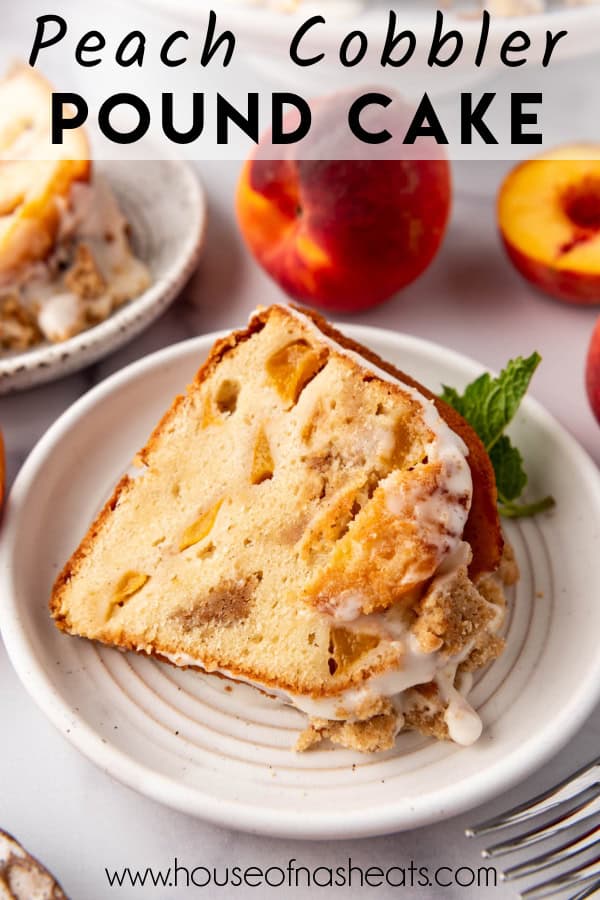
(592, 371)
(340, 231)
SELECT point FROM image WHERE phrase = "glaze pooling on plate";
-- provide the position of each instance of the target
(173, 726)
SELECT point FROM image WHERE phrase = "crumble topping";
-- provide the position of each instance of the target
(456, 622)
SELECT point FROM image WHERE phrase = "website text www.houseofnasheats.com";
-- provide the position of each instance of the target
(294, 875)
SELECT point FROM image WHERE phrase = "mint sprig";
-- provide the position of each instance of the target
(489, 405)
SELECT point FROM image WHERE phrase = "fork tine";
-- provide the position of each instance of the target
(586, 892)
(566, 851)
(585, 777)
(583, 810)
(576, 876)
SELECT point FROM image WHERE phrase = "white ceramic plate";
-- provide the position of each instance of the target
(164, 203)
(189, 741)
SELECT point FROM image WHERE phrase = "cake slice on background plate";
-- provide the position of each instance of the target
(66, 262)
(311, 521)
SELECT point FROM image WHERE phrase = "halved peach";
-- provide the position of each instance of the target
(549, 218)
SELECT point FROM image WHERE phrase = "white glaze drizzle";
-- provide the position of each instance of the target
(442, 515)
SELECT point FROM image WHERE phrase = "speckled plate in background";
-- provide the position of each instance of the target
(223, 752)
(164, 203)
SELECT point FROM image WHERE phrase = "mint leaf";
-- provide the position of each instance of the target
(519, 511)
(508, 466)
(452, 398)
(489, 405)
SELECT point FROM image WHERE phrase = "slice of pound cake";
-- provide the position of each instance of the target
(311, 521)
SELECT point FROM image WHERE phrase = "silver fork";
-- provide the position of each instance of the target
(583, 874)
